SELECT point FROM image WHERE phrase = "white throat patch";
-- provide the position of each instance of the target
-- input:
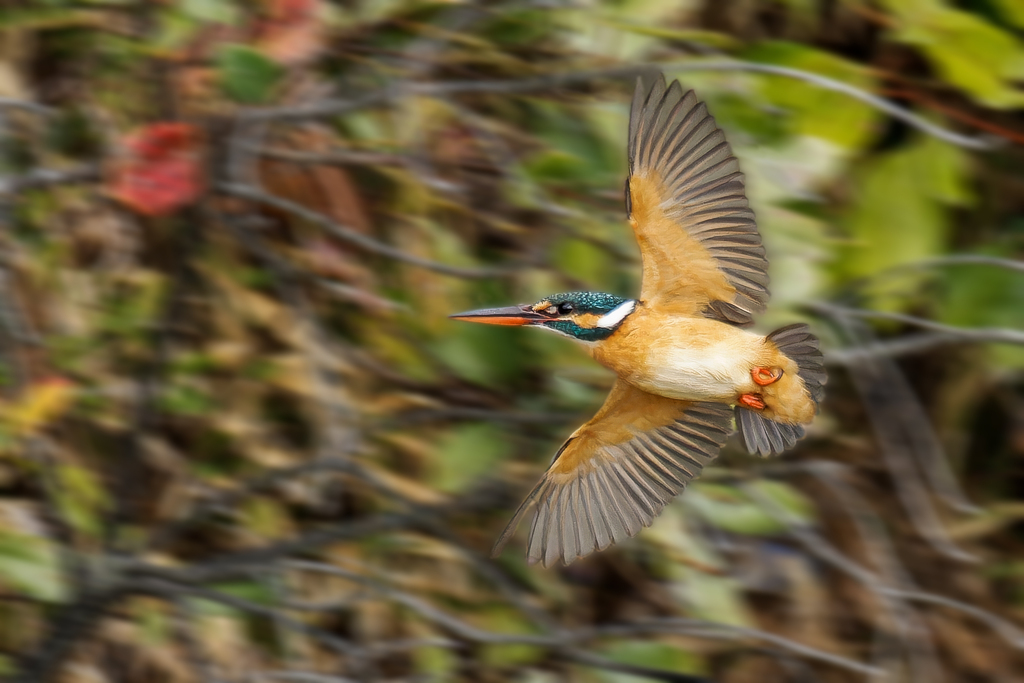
(616, 315)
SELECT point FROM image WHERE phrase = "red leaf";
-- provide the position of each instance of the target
(159, 169)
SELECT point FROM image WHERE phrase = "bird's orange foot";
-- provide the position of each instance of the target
(765, 376)
(753, 401)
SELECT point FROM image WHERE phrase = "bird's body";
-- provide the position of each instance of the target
(698, 359)
(686, 366)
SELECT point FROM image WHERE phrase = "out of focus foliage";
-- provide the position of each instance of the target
(241, 440)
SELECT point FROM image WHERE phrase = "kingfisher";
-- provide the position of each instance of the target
(687, 368)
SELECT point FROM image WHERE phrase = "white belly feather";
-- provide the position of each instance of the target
(704, 372)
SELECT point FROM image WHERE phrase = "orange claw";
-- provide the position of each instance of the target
(765, 376)
(752, 401)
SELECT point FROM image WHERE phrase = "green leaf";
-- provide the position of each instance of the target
(513, 27)
(435, 661)
(652, 654)
(47, 18)
(258, 593)
(794, 503)
(715, 598)
(899, 216)
(1012, 11)
(484, 354)
(183, 399)
(983, 296)
(466, 454)
(153, 621)
(211, 11)
(575, 151)
(714, 39)
(30, 564)
(982, 59)
(80, 498)
(247, 75)
(584, 260)
(814, 110)
(265, 518)
(501, 619)
(730, 509)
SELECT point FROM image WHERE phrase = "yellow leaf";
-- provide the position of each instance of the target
(41, 404)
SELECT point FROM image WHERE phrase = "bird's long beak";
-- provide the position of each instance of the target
(510, 315)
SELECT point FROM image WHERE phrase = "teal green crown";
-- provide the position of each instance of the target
(588, 302)
(597, 303)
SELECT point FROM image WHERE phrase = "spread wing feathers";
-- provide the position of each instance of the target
(617, 472)
(688, 206)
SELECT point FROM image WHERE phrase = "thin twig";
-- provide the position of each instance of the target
(912, 423)
(821, 548)
(966, 260)
(168, 588)
(994, 335)
(906, 438)
(25, 105)
(184, 630)
(902, 346)
(349, 236)
(564, 638)
(161, 537)
(42, 178)
(302, 677)
(337, 157)
(338, 107)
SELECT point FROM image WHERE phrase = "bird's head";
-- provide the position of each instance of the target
(586, 316)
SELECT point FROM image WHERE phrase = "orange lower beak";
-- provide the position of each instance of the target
(511, 315)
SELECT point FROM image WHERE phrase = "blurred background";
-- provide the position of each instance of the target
(241, 441)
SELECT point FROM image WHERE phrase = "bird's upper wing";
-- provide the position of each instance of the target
(616, 473)
(685, 197)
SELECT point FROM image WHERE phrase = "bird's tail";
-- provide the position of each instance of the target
(767, 437)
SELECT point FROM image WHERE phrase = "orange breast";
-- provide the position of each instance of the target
(682, 357)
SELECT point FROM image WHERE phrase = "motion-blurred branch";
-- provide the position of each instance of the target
(912, 452)
(363, 242)
(901, 346)
(818, 546)
(41, 178)
(996, 335)
(966, 260)
(26, 105)
(565, 638)
(541, 83)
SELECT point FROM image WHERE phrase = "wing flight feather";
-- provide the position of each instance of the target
(689, 210)
(617, 473)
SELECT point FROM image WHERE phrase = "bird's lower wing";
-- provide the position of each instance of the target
(617, 472)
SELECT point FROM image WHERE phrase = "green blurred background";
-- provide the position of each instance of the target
(241, 441)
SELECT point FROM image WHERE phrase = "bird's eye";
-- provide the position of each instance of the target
(565, 308)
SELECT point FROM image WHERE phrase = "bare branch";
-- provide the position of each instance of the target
(567, 638)
(42, 178)
(338, 107)
(903, 346)
(170, 589)
(966, 260)
(995, 335)
(356, 239)
(301, 677)
(821, 548)
(336, 157)
(25, 105)
(184, 630)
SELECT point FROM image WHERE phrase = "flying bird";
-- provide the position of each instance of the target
(686, 366)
